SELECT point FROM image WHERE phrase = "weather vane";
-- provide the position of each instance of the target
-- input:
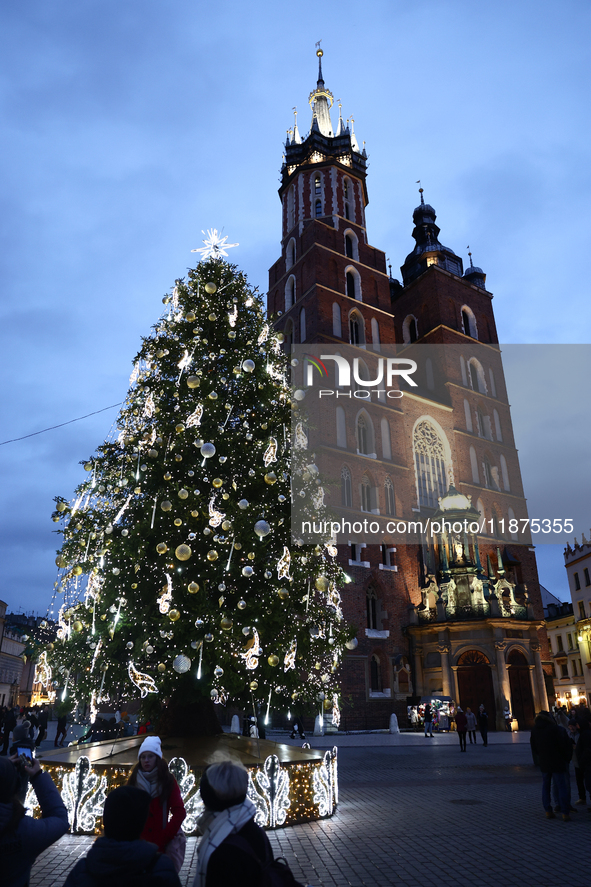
(215, 245)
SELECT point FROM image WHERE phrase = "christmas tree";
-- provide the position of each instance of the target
(179, 578)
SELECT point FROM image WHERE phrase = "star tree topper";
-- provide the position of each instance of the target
(215, 245)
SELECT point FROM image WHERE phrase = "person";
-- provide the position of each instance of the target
(414, 719)
(561, 716)
(552, 748)
(299, 727)
(461, 726)
(583, 755)
(9, 725)
(483, 724)
(23, 838)
(167, 811)
(233, 849)
(508, 718)
(119, 856)
(21, 738)
(62, 730)
(471, 724)
(428, 714)
(43, 719)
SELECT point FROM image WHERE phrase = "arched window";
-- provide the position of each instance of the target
(386, 442)
(356, 329)
(474, 466)
(317, 184)
(505, 474)
(476, 373)
(303, 325)
(362, 435)
(375, 675)
(348, 198)
(371, 602)
(429, 464)
(350, 285)
(288, 337)
(318, 209)
(351, 244)
(488, 475)
(365, 493)
(410, 329)
(389, 497)
(468, 416)
(463, 370)
(365, 435)
(375, 334)
(290, 292)
(353, 283)
(336, 320)
(469, 327)
(496, 525)
(348, 246)
(498, 431)
(346, 495)
(341, 428)
(473, 657)
(481, 427)
(493, 387)
(290, 254)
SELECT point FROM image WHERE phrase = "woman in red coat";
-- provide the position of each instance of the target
(167, 810)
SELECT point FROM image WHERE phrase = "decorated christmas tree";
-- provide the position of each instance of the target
(180, 583)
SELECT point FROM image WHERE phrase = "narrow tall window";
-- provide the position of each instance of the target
(350, 285)
(317, 185)
(577, 582)
(582, 609)
(365, 494)
(466, 322)
(413, 330)
(346, 497)
(586, 572)
(375, 675)
(318, 209)
(372, 607)
(559, 642)
(389, 497)
(349, 246)
(473, 376)
(355, 330)
(363, 437)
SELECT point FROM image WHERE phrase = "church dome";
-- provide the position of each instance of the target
(475, 275)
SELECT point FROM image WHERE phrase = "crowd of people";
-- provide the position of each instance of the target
(556, 739)
(142, 841)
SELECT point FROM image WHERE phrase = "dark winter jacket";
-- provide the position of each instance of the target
(583, 751)
(428, 714)
(231, 865)
(461, 722)
(20, 847)
(111, 863)
(550, 744)
(482, 721)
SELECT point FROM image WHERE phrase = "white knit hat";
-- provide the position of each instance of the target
(151, 743)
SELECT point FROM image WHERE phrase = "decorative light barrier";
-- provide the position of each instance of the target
(283, 794)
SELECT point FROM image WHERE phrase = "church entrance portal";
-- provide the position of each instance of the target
(522, 701)
(475, 685)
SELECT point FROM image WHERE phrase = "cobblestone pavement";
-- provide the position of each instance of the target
(415, 811)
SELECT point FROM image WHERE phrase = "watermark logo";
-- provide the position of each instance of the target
(387, 370)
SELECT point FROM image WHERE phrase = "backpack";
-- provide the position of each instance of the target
(275, 872)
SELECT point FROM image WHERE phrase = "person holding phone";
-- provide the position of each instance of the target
(23, 838)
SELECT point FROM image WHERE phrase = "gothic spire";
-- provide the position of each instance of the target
(321, 100)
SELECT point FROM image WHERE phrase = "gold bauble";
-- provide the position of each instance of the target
(77, 626)
(238, 546)
(283, 594)
(61, 506)
(193, 587)
(173, 615)
(225, 495)
(183, 494)
(251, 555)
(55, 518)
(327, 704)
(212, 555)
(183, 552)
(166, 505)
(103, 617)
(210, 287)
(88, 466)
(194, 514)
(178, 522)
(226, 623)
(178, 458)
(254, 685)
(137, 491)
(273, 660)
(160, 353)
(226, 525)
(50, 646)
(60, 561)
(161, 667)
(162, 548)
(321, 583)
(167, 476)
(270, 478)
(217, 482)
(77, 571)
(213, 395)
(190, 316)
(178, 428)
(193, 381)
(134, 585)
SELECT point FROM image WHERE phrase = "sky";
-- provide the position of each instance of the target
(129, 128)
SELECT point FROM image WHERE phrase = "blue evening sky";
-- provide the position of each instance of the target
(129, 127)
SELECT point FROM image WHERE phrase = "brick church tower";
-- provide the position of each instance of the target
(449, 615)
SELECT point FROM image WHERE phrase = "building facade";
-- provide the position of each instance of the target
(456, 615)
(577, 561)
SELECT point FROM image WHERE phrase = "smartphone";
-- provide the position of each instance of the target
(26, 752)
